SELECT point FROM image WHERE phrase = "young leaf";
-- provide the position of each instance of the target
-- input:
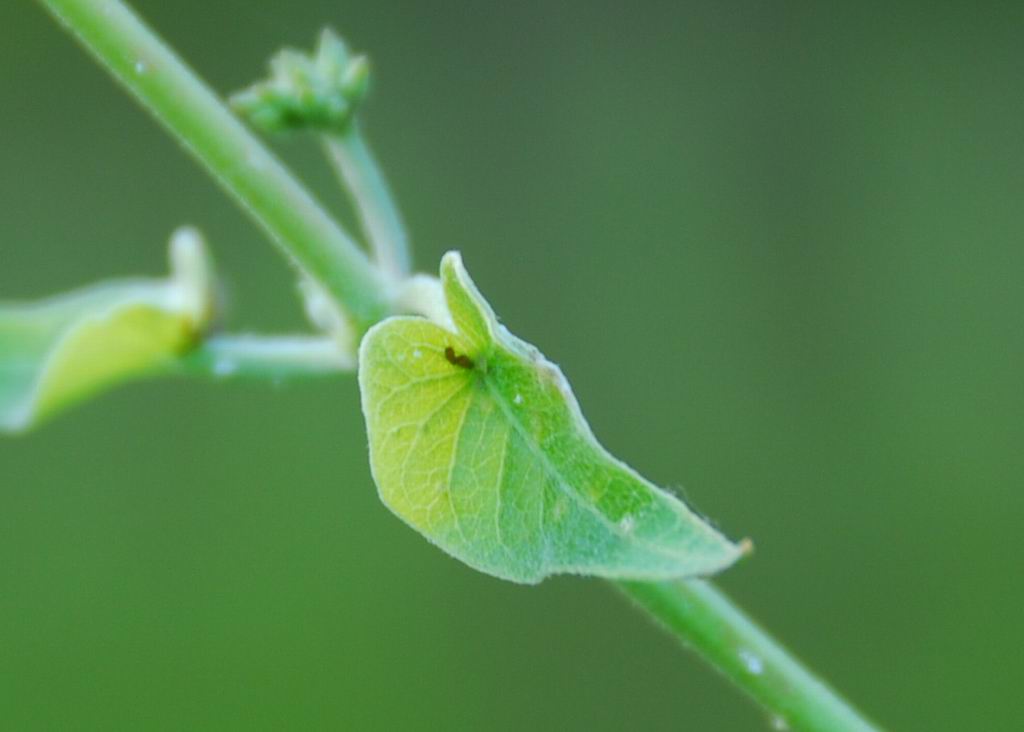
(319, 91)
(477, 441)
(59, 351)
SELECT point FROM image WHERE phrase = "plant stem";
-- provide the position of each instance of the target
(377, 211)
(273, 358)
(707, 621)
(694, 611)
(236, 158)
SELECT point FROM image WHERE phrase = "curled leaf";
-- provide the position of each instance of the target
(56, 352)
(477, 441)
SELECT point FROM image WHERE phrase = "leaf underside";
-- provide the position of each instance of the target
(59, 351)
(477, 441)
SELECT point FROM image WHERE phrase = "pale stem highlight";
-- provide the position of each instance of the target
(379, 216)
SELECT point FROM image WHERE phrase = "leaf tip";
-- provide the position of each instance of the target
(471, 313)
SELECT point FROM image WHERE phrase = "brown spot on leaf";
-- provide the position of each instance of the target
(461, 360)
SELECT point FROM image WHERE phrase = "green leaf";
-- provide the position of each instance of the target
(477, 441)
(62, 350)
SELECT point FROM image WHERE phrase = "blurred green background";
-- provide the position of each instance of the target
(777, 249)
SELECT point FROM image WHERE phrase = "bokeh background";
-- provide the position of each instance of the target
(776, 247)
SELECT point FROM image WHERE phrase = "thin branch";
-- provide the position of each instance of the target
(358, 171)
(707, 621)
(273, 358)
(222, 144)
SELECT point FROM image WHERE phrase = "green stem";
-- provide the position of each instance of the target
(375, 206)
(235, 157)
(694, 611)
(704, 619)
(273, 358)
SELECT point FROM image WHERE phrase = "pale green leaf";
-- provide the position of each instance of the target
(59, 351)
(477, 441)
